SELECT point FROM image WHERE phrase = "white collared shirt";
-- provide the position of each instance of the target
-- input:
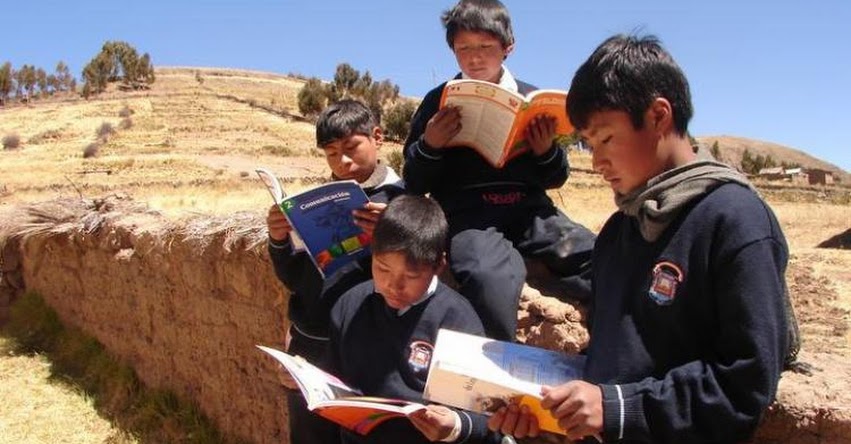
(506, 80)
(432, 287)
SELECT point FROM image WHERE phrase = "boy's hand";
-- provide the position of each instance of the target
(442, 127)
(279, 227)
(436, 422)
(368, 216)
(514, 420)
(578, 407)
(540, 134)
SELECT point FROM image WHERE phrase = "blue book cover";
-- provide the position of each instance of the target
(322, 217)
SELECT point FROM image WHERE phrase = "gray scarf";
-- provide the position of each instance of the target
(375, 179)
(658, 202)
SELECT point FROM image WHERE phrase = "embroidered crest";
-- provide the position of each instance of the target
(420, 355)
(666, 277)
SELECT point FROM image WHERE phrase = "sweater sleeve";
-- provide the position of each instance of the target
(423, 164)
(721, 397)
(289, 265)
(552, 168)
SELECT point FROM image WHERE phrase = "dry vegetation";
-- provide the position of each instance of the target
(197, 135)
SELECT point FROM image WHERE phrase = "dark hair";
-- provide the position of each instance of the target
(626, 73)
(342, 119)
(413, 225)
(478, 16)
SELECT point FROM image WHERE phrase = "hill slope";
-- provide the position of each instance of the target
(732, 148)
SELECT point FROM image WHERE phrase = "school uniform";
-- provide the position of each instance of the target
(497, 217)
(387, 352)
(689, 330)
(311, 299)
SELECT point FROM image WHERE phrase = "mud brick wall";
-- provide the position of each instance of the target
(185, 302)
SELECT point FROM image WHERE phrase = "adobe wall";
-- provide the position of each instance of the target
(185, 302)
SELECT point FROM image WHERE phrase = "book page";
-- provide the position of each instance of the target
(362, 414)
(481, 374)
(316, 385)
(487, 115)
(550, 102)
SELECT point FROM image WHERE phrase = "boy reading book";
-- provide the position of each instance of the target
(349, 135)
(383, 331)
(497, 216)
(689, 329)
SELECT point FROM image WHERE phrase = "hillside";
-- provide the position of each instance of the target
(732, 147)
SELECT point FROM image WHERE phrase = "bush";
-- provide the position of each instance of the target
(11, 142)
(105, 130)
(396, 160)
(311, 98)
(126, 123)
(46, 136)
(91, 150)
(397, 120)
(125, 112)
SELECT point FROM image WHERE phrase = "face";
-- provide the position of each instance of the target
(400, 283)
(627, 158)
(353, 157)
(480, 55)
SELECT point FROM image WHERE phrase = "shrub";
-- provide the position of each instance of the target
(46, 136)
(126, 123)
(396, 160)
(397, 120)
(105, 130)
(311, 98)
(91, 150)
(11, 142)
(125, 112)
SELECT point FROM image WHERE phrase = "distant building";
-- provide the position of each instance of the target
(820, 177)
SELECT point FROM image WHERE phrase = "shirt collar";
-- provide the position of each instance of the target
(432, 287)
(506, 81)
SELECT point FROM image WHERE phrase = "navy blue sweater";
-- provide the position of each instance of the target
(385, 354)
(312, 297)
(688, 333)
(456, 177)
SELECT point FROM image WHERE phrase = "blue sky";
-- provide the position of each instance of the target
(772, 70)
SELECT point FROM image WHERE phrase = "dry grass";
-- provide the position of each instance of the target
(38, 408)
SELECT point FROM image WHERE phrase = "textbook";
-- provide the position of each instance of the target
(322, 218)
(481, 374)
(494, 119)
(332, 399)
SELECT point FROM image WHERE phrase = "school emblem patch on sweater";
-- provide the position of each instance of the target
(419, 357)
(666, 278)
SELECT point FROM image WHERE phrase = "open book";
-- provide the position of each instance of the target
(481, 375)
(322, 218)
(494, 119)
(330, 398)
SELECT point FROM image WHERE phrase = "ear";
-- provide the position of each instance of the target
(378, 136)
(660, 115)
(507, 51)
(440, 267)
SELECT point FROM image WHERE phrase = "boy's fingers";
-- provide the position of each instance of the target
(495, 421)
(510, 421)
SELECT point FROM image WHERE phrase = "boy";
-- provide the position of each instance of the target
(496, 216)
(350, 137)
(688, 325)
(383, 331)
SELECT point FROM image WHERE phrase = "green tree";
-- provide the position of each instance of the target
(397, 120)
(345, 79)
(117, 61)
(64, 80)
(41, 81)
(7, 82)
(312, 98)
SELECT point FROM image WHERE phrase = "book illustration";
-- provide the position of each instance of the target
(329, 397)
(322, 218)
(494, 119)
(481, 375)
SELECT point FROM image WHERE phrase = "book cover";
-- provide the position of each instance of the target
(322, 218)
(481, 374)
(494, 119)
(330, 398)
